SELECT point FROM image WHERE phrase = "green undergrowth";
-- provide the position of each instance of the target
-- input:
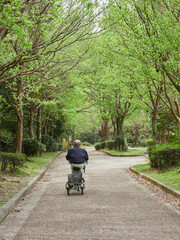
(170, 176)
(129, 152)
(142, 148)
(11, 183)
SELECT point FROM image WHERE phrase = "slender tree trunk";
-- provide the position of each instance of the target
(39, 122)
(31, 119)
(46, 127)
(154, 127)
(52, 131)
(19, 131)
(136, 135)
(114, 127)
(179, 131)
(19, 111)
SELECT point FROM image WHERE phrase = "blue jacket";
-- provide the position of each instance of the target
(77, 155)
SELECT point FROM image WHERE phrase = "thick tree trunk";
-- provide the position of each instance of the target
(39, 122)
(31, 119)
(120, 126)
(105, 129)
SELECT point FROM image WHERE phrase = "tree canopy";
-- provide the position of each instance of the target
(101, 69)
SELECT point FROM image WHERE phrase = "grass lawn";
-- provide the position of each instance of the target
(11, 183)
(170, 177)
(143, 148)
(129, 152)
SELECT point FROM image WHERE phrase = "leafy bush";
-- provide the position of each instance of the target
(42, 148)
(30, 146)
(143, 142)
(14, 160)
(150, 142)
(48, 141)
(103, 145)
(130, 140)
(55, 147)
(60, 147)
(121, 143)
(97, 146)
(100, 145)
(164, 156)
(6, 140)
(86, 144)
(110, 144)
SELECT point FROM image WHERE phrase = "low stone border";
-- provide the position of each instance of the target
(164, 187)
(11, 204)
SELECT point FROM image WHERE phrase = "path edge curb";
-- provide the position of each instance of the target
(12, 203)
(164, 187)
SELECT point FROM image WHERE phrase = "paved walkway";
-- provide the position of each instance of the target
(114, 207)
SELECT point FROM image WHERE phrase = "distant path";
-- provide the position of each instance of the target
(114, 207)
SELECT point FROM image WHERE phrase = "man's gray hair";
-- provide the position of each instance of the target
(77, 142)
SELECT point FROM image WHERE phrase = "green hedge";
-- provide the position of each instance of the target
(49, 142)
(110, 144)
(98, 146)
(30, 147)
(164, 156)
(42, 148)
(86, 144)
(105, 144)
(14, 160)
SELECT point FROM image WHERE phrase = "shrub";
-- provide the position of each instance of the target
(100, 145)
(42, 148)
(30, 146)
(48, 141)
(110, 144)
(150, 142)
(86, 144)
(143, 142)
(130, 140)
(97, 146)
(55, 146)
(164, 156)
(121, 143)
(14, 160)
(103, 145)
(60, 147)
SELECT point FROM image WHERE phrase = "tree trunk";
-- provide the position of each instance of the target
(120, 132)
(19, 131)
(39, 122)
(46, 127)
(136, 135)
(179, 131)
(120, 126)
(154, 127)
(105, 129)
(19, 112)
(31, 119)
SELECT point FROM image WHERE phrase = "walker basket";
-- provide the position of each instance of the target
(74, 177)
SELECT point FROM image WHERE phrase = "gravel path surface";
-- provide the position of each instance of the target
(114, 207)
